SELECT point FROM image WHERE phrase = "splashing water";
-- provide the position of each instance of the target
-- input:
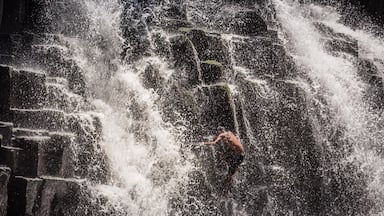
(336, 78)
(142, 149)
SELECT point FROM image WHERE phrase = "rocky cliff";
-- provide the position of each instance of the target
(42, 128)
(196, 65)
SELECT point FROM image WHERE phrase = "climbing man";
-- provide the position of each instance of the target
(235, 155)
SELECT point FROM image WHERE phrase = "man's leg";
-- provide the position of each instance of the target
(227, 184)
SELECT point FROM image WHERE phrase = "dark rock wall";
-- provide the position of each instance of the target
(42, 120)
(372, 7)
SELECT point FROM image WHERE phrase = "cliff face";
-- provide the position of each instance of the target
(208, 65)
(41, 96)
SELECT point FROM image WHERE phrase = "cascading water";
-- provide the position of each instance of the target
(335, 77)
(142, 150)
(299, 104)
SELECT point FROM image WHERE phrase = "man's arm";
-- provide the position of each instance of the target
(218, 138)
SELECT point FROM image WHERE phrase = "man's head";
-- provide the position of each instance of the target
(220, 129)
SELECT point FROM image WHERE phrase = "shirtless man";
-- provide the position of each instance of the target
(236, 153)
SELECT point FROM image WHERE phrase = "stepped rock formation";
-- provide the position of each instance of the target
(102, 103)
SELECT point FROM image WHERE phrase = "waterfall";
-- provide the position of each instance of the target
(133, 87)
(336, 78)
(142, 150)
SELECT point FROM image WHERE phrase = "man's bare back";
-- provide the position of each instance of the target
(231, 141)
(236, 155)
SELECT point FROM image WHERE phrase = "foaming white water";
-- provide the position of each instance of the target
(142, 149)
(336, 80)
(336, 77)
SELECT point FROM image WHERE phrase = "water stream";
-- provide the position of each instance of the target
(147, 141)
(335, 78)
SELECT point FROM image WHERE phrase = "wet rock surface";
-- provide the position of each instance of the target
(244, 84)
(5, 173)
(46, 196)
(38, 129)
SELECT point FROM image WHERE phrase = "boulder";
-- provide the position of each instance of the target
(45, 196)
(185, 60)
(212, 72)
(209, 46)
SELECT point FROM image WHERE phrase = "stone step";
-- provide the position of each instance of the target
(10, 43)
(57, 158)
(9, 156)
(28, 158)
(28, 89)
(6, 133)
(22, 89)
(40, 119)
(47, 155)
(17, 132)
(50, 58)
(59, 97)
(45, 196)
(53, 59)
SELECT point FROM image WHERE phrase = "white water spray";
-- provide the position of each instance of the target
(142, 149)
(337, 80)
